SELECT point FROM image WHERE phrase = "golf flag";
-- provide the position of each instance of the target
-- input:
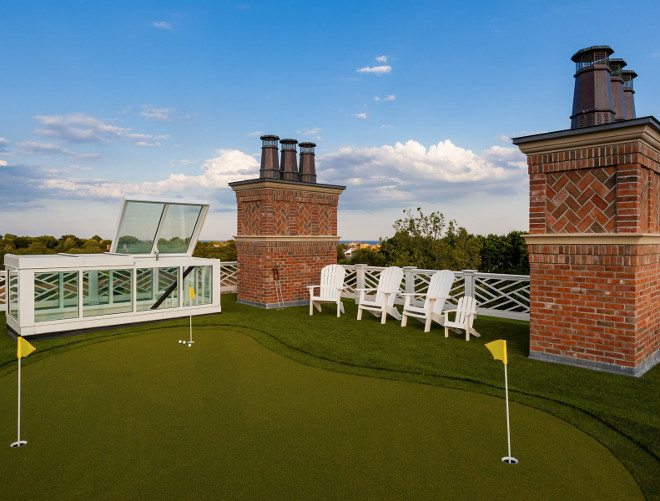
(24, 348)
(192, 292)
(498, 349)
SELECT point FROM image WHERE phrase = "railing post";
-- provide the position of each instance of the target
(409, 279)
(359, 279)
(468, 276)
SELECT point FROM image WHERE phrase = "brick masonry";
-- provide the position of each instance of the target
(288, 225)
(594, 245)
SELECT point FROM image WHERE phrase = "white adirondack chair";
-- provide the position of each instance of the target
(382, 302)
(434, 302)
(466, 311)
(329, 291)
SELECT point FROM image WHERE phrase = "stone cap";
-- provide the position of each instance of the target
(297, 184)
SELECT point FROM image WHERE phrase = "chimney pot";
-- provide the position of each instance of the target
(592, 98)
(288, 160)
(628, 92)
(616, 80)
(270, 167)
(307, 163)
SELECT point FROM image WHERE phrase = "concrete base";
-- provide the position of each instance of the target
(272, 306)
(638, 371)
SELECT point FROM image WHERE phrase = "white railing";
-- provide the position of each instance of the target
(504, 296)
(228, 277)
(3, 290)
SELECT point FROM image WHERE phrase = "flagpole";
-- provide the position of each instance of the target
(19, 442)
(509, 459)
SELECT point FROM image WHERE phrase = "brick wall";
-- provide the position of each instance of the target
(290, 225)
(594, 245)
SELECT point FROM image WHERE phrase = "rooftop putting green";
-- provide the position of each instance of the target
(148, 418)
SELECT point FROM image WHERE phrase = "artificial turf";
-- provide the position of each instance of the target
(173, 404)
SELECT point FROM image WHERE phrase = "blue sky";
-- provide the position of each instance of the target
(410, 103)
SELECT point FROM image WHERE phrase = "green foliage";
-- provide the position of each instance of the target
(504, 254)
(224, 251)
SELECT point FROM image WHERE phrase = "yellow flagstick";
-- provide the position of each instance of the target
(498, 350)
(191, 295)
(23, 350)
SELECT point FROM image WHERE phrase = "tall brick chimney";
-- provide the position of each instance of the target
(289, 162)
(286, 229)
(270, 167)
(592, 97)
(594, 237)
(616, 80)
(628, 92)
(307, 163)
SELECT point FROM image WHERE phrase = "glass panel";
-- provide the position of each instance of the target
(55, 296)
(138, 227)
(178, 228)
(153, 284)
(11, 288)
(201, 280)
(107, 292)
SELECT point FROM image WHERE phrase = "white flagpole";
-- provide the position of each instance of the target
(19, 442)
(509, 459)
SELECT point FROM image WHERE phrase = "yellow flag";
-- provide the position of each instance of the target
(24, 348)
(192, 292)
(498, 349)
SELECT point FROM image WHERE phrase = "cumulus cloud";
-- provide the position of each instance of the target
(381, 59)
(81, 128)
(217, 172)
(3, 163)
(152, 113)
(162, 25)
(412, 173)
(390, 97)
(3, 144)
(376, 70)
(34, 148)
(362, 116)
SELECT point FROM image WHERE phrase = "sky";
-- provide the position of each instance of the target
(411, 104)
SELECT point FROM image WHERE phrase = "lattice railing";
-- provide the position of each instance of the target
(3, 290)
(505, 296)
(228, 277)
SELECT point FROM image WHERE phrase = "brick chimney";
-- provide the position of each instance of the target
(616, 80)
(628, 92)
(286, 229)
(270, 166)
(594, 232)
(307, 163)
(288, 162)
(592, 98)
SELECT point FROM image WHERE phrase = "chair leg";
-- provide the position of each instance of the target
(446, 331)
(311, 308)
(339, 309)
(404, 320)
(383, 316)
(359, 317)
(427, 324)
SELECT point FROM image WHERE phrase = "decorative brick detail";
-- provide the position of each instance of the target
(288, 225)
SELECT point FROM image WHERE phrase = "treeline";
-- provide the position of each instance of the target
(429, 242)
(71, 244)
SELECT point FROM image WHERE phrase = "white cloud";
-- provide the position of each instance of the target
(162, 25)
(314, 133)
(390, 97)
(503, 138)
(255, 133)
(3, 163)
(362, 116)
(228, 166)
(34, 148)
(150, 112)
(381, 59)
(411, 173)
(81, 128)
(3, 144)
(144, 143)
(377, 70)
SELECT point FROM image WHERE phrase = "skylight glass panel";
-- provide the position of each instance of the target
(177, 228)
(138, 227)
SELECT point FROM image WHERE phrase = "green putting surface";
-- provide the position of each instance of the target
(148, 418)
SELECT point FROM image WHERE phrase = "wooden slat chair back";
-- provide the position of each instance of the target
(434, 300)
(329, 290)
(466, 311)
(382, 302)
